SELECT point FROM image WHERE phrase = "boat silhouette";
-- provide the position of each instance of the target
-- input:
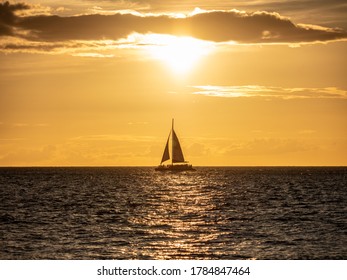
(173, 159)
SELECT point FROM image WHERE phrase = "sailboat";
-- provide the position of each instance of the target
(173, 159)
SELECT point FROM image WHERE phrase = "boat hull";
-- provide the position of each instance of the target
(175, 168)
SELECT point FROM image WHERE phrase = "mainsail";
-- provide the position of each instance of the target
(177, 154)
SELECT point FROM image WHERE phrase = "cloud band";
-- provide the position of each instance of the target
(215, 26)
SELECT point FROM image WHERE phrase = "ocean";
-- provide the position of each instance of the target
(137, 213)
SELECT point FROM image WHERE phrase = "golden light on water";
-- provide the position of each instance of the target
(178, 222)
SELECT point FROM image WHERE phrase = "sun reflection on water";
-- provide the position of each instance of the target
(136, 213)
(181, 221)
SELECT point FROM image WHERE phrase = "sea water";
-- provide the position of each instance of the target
(137, 213)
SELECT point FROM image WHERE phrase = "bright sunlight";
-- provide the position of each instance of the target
(179, 53)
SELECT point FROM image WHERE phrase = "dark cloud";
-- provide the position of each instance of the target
(217, 26)
(7, 16)
(330, 13)
(93, 27)
(258, 27)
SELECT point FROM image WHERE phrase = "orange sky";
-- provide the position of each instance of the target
(97, 82)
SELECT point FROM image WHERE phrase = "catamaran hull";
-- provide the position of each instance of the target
(175, 168)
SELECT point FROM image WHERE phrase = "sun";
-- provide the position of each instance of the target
(180, 53)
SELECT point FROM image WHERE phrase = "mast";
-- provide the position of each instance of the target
(172, 139)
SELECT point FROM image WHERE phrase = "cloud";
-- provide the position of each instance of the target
(8, 18)
(43, 31)
(217, 26)
(329, 13)
(100, 149)
(197, 150)
(93, 55)
(269, 92)
(86, 48)
(269, 146)
(25, 156)
(257, 27)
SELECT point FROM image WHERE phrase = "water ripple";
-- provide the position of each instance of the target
(136, 213)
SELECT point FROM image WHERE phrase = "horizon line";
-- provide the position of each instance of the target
(149, 166)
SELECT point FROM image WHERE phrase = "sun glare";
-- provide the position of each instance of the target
(179, 53)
